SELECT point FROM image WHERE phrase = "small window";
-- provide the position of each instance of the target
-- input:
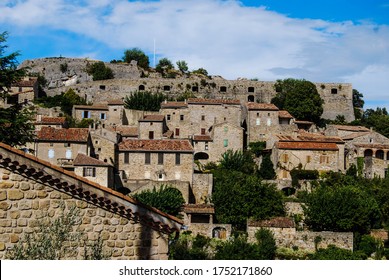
(226, 129)
(178, 159)
(147, 158)
(51, 144)
(141, 87)
(168, 117)
(195, 89)
(181, 117)
(308, 159)
(177, 132)
(66, 144)
(151, 134)
(223, 89)
(86, 115)
(20, 89)
(160, 158)
(68, 154)
(225, 142)
(51, 153)
(203, 117)
(250, 98)
(250, 89)
(102, 87)
(126, 157)
(203, 131)
(206, 146)
(166, 88)
(268, 121)
(102, 116)
(334, 90)
(258, 121)
(160, 177)
(89, 172)
(285, 158)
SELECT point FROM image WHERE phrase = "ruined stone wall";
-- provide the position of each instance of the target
(305, 240)
(132, 117)
(209, 229)
(202, 187)
(24, 201)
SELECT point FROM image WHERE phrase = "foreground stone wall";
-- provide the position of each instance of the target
(23, 202)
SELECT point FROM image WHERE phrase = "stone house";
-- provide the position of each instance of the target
(153, 161)
(94, 170)
(309, 150)
(99, 113)
(104, 145)
(265, 120)
(33, 190)
(153, 127)
(46, 121)
(23, 91)
(222, 137)
(61, 146)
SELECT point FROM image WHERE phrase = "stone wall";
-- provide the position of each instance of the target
(202, 187)
(24, 201)
(211, 230)
(305, 240)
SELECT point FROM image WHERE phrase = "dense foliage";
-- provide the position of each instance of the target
(138, 55)
(182, 66)
(145, 101)
(99, 71)
(16, 126)
(165, 67)
(238, 161)
(300, 98)
(257, 148)
(167, 199)
(377, 119)
(188, 247)
(334, 253)
(266, 169)
(238, 196)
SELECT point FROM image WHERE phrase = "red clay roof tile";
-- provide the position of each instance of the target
(48, 134)
(261, 106)
(213, 101)
(84, 160)
(307, 146)
(152, 118)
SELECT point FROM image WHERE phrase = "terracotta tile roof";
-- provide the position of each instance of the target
(168, 134)
(156, 145)
(261, 106)
(63, 134)
(355, 135)
(172, 104)
(51, 120)
(116, 102)
(357, 128)
(28, 82)
(310, 137)
(94, 193)
(199, 209)
(99, 107)
(202, 138)
(213, 101)
(131, 131)
(303, 122)
(279, 222)
(152, 118)
(84, 160)
(285, 115)
(372, 146)
(307, 146)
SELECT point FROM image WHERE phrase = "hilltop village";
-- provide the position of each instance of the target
(126, 151)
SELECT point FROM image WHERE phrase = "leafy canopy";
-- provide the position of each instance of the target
(145, 100)
(300, 98)
(138, 55)
(99, 71)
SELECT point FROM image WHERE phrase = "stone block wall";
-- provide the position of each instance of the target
(24, 201)
(202, 187)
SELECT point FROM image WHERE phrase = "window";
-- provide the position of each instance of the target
(177, 132)
(308, 159)
(20, 89)
(160, 176)
(51, 153)
(203, 131)
(178, 159)
(225, 142)
(89, 172)
(203, 117)
(141, 87)
(147, 158)
(51, 144)
(68, 154)
(160, 158)
(206, 146)
(151, 134)
(126, 157)
(258, 121)
(66, 144)
(102, 87)
(195, 89)
(226, 129)
(250, 98)
(181, 117)
(284, 174)
(334, 90)
(324, 159)
(250, 89)
(166, 88)
(223, 89)
(285, 158)
(102, 116)
(268, 122)
(86, 115)
(168, 117)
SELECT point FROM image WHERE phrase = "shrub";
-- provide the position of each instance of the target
(145, 101)
(99, 71)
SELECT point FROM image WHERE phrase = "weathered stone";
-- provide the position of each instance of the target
(6, 185)
(96, 220)
(2, 246)
(98, 228)
(55, 195)
(104, 235)
(35, 205)
(25, 186)
(15, 195)
(86, 220)
(123, 221)
(114, 221)
(129, 243)
(16, 177)
(14, 238)
(81, 204)
(120, 244)
(110, 243)
(26, 214)
(42, 194)
(129, 252)
(30, 194)
(101, 212)
(22, 222)
(4, 205)
(44, 205)
(117, 253)
(3, 195)
(5, 177)
(123, 236)
(5, 223)
(14, 214)
(3, 214)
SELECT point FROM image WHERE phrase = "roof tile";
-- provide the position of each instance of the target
(63, 134)
(84, 160)
(261, 106)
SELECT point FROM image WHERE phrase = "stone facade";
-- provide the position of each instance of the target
(128, 230)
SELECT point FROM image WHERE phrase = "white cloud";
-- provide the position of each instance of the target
(224, 37)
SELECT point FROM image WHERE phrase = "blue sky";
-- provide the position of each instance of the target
(321, 41)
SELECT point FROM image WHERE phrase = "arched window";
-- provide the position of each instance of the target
(368, 153)
(380, 154)
(141, 87)
(201, 155)
(250, 98)
(219, 232)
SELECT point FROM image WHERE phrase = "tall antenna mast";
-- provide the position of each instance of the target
(154, 52)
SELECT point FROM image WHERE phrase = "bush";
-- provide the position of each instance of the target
(238, 161)
(257, 147)
(138, 55)
(100, 71)
(266, 170)
(189, 248)
(334, 253)
(145, 101)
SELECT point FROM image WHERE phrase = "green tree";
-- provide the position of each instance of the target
(138, 55)
(335, 253)
(16, 126)
(266, 170)
(238, 161)
(182, 66)
(238, 196)
(145, 101)
(166, 199)
(377, 119)
(357, 103)
(200, 71)
(189, 248)
(164, 66)
(99, 71)
(300, 98)
(341, 207)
